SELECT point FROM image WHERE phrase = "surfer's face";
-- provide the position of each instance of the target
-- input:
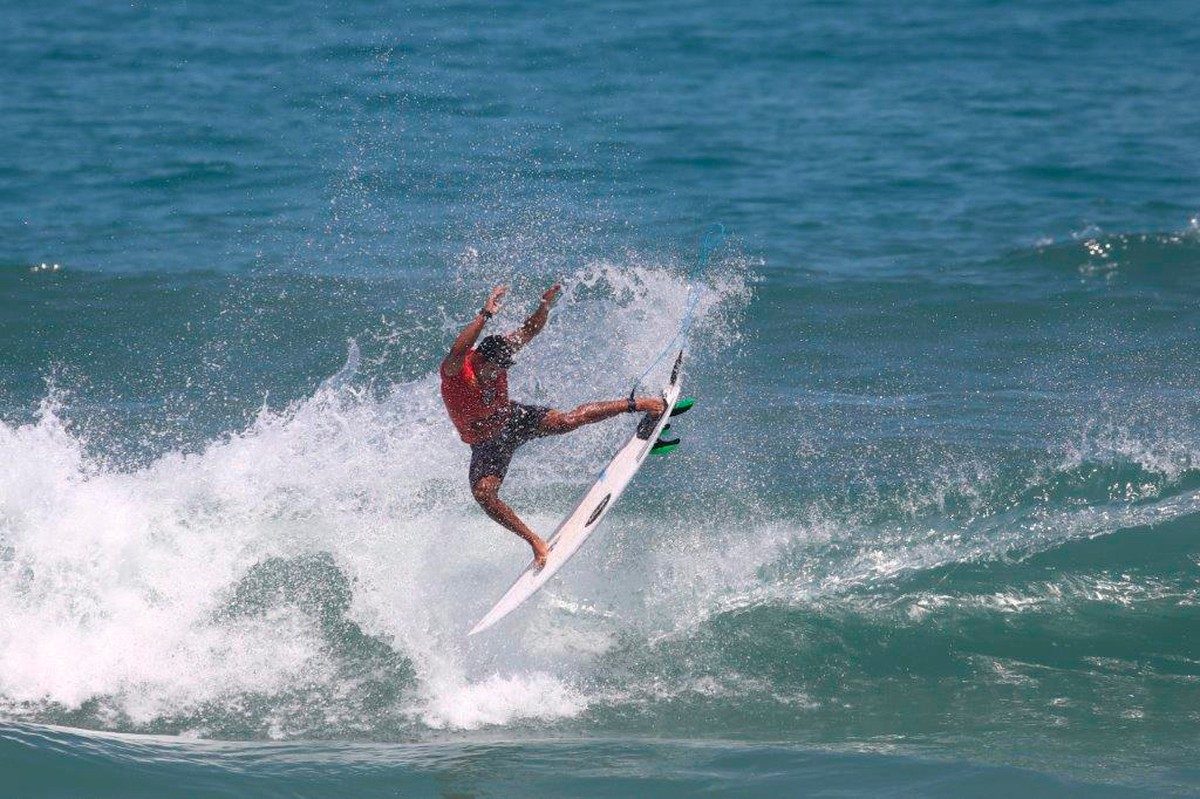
(488, 371)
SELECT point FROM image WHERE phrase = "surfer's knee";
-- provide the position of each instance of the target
(486, 490)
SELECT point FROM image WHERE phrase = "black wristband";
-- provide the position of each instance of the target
(485, 313)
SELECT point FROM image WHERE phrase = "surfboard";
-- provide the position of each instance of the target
(595, 504)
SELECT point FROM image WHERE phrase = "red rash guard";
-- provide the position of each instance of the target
(473, 408)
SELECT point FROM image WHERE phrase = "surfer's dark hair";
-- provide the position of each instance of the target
(497, 350)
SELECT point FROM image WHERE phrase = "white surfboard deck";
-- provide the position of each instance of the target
(591, 510)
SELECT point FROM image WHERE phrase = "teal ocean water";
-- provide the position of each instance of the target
(934, 528)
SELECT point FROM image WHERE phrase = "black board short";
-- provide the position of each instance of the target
(491, 457)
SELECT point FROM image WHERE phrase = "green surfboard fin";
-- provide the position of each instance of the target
(663, 447)
(683, 406)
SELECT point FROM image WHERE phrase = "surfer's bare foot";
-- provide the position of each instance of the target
(540, 553)
(655, 406)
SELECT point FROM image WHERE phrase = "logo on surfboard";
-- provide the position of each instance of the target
(599, 509)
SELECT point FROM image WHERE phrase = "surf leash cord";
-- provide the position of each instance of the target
(714, 237)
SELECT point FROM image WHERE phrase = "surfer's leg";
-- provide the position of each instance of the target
(555, 422)
(487, 493)
(489, 464)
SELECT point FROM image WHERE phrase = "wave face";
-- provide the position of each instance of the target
(938, 502)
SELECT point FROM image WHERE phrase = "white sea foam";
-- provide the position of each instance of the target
(500, 700)
(1108, 442)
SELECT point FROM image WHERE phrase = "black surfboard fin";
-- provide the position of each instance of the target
(663, 447)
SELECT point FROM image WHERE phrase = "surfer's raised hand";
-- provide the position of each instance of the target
(551, 295)
(492, 303)
(537, 320)
(452, 364)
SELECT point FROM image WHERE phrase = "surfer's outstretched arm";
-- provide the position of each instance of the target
(486, 490)
(452, 364)
(536, 321)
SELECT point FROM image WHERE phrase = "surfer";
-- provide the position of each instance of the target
(475, 390)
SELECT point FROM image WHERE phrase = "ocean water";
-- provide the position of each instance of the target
(934, 528)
